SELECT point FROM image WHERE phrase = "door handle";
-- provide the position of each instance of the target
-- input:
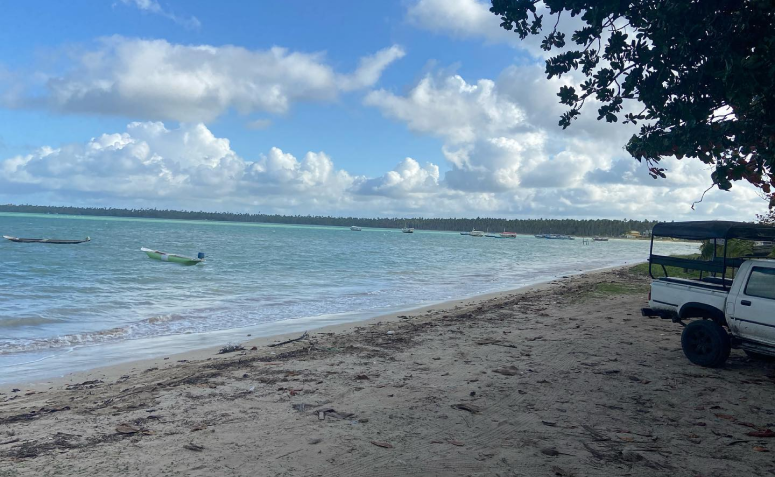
(745, 302)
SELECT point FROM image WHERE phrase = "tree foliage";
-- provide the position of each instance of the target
(703, 72)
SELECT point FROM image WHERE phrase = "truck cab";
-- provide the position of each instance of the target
(731, 301)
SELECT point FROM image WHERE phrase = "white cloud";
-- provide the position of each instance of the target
(151, 165)
(451, 108)
(370, 68)
(153, 6)
(459, 18)
(502, 143)
(155, 79)
(407, 178)
(472, 19)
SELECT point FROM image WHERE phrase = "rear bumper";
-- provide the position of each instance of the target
(664, 314)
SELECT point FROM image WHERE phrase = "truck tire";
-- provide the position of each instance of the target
(706, 343)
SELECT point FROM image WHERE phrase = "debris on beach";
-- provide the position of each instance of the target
(193, 447)
(302, 337)
(467, 407)
(231, 348)
(385, 445)
(507, 371)
(126, 428)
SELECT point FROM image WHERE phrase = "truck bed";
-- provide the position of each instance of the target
(708, 283)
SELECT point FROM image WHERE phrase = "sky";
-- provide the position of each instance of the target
(391, 108)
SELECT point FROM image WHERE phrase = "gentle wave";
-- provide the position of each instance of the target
(140, 329)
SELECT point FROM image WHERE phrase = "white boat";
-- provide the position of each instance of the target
(600, 239)
(355, 228)
(476, 233)
(407, 230)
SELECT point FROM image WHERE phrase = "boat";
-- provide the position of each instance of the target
(600, 239)
(505, 234)
(492, 235)
(465, 233)
(54, 241)
(174, 258)
(476, 233)
(407, 230)
(555, 237)
(355, 228)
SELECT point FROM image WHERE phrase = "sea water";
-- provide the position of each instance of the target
(71, 307)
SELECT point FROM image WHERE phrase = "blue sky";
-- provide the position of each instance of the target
(455, 119)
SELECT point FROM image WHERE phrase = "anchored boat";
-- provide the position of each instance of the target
(174, 258)
(37, 240)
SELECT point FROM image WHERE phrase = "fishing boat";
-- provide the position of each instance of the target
(600, 239)
(54, 241)
(555, 237)
(505, 234)
(476, 233)
(174, 258)
(355, 228)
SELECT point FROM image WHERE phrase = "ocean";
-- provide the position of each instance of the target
(66, 308)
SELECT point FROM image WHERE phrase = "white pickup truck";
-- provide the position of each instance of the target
(733, 313)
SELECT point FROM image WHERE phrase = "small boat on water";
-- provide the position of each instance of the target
(174, 258)
(476, 233)
(505, 234)
(465, 233)
(600, 239)
(407, 230)
(54, 241)
(555, 237)
(355, 228)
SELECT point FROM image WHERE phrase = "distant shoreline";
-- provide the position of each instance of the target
(574, 227)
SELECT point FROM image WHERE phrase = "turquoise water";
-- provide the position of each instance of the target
(70, 307)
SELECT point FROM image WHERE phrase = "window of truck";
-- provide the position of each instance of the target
(761, 283)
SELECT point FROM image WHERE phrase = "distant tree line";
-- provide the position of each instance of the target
(592, 227)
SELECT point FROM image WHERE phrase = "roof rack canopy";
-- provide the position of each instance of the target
(714, 229)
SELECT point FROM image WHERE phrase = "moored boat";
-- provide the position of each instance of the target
(476, 233)
(505, 234)
(355, 228)
(172, 257)
(53, 241)
(600, 239)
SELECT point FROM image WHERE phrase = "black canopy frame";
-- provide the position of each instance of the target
(714, 230)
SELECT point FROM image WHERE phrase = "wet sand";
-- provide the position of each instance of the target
(562, 379)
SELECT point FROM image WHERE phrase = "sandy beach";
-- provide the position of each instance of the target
(561, 379)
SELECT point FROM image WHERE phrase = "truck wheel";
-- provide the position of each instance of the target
(706, 343)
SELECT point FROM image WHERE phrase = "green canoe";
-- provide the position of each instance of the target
(171, 257)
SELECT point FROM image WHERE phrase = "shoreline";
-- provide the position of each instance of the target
(564, 378)
(201, 353)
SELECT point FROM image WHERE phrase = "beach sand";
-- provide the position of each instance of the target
(561, 379)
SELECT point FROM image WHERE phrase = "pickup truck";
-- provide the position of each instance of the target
(726, 313)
